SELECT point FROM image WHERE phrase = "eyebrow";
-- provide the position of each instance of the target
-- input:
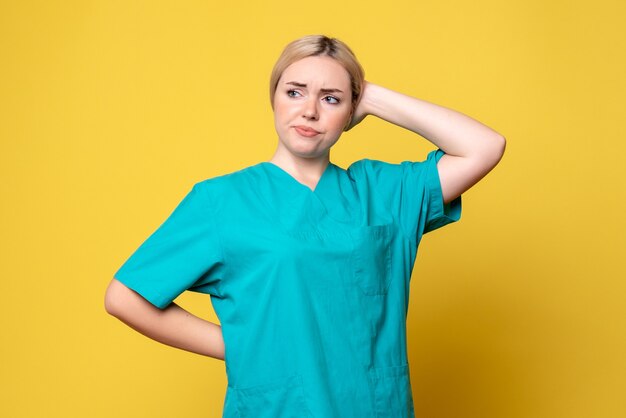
(297, 84)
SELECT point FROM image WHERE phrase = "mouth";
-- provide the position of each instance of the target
(306, 131)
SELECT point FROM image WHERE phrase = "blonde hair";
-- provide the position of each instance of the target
(313, 45)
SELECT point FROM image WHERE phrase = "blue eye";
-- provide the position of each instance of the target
(331, 100)
(292, 93)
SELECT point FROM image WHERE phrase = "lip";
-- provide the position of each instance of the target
(306, 131)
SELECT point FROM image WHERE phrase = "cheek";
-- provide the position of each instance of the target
(340, 119)
(279, 112)
(282, 109)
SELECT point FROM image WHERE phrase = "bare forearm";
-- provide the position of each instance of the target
(178, 328)
(455, 133)
(173, 325)
(472, 149)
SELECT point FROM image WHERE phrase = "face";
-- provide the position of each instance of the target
(312, 105)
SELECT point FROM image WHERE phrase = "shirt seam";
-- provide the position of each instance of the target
(441, 211)
(217, 230)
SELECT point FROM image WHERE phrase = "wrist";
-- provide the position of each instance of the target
(370, 98)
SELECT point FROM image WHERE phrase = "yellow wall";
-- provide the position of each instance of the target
(111, 110)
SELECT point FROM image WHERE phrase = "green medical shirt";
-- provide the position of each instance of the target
(311, 287)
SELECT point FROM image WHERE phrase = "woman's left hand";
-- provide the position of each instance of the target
(360, 112)
(472, 149)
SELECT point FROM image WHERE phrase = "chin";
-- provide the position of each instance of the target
(302, 147)
(306, 152)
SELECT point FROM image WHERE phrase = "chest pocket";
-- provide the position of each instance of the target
(371, 258)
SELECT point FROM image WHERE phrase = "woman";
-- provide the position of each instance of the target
(307, 264)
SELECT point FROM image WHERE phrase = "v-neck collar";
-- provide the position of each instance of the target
(333, 198)
(277, 169)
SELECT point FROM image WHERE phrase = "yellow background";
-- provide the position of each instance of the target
(111, 110)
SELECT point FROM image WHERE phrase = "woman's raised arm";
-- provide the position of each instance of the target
(173, 325)
(472, 149)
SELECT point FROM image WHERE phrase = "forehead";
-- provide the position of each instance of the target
(317, 70)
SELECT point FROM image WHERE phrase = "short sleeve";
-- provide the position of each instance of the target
(183, 253)
(412, 191)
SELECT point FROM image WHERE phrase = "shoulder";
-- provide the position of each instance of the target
(367, 166)
(377, 172)
(227, 181)
(390, 174)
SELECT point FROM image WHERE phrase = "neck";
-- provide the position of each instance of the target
(305, 169)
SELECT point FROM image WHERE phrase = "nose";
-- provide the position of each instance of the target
(310, 110)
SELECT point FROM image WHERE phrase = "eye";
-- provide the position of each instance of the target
(331, 100)
(293, 93)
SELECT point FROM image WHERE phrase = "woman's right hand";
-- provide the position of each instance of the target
(173, 325)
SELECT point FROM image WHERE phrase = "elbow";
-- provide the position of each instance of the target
(113, 303)
(110, 304)
(500, 145)
(495, 151)
(125, 304)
